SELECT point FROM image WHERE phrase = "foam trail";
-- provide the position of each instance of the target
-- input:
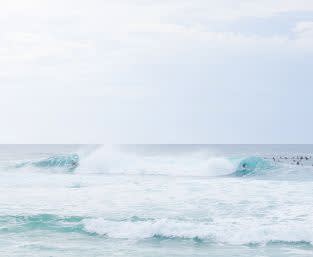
(237, 233)
(222, 231)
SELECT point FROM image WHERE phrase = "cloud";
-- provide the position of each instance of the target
(55, 28)
(303, 35)
(139, 10)
(140, 67)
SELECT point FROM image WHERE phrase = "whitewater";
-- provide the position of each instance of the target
(156, 200)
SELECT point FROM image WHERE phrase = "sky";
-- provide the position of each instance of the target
(143, 71)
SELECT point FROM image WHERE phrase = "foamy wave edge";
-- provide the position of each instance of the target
(226, 233)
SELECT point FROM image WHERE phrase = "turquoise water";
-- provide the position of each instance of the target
(229, 200)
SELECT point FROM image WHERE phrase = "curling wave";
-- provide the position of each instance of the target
(64, 161)
(252, 166)
(104, 160)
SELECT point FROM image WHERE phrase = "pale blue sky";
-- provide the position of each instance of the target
(156, 71)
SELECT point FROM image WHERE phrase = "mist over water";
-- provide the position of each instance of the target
(156, 200)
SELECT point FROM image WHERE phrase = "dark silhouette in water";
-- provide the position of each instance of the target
(294, 160)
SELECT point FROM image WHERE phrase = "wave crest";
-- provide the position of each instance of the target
(113, 160)
(253, 165)
(66, 161)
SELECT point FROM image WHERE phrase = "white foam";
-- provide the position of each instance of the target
(229, 232)
(113, 160)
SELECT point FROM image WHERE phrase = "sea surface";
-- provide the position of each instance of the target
(156, 200)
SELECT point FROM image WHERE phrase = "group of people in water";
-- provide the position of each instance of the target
(296, 160)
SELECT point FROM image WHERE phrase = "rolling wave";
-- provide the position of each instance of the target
(114, 161)
(252, 166)
(225, 232)
(65, 161)
(198, 164)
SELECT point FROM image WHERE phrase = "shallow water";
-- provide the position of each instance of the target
(155, 201)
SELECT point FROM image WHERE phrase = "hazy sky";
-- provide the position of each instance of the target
(143, 71)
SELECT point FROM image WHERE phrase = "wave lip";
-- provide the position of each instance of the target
(66, 161)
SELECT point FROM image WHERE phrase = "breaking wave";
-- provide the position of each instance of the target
(253, 165)
(216, 231)
(111, 160)
(67, 201)
(227, 232)
(65, 161)
(114, 161)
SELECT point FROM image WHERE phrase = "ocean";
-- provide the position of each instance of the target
(156, 200)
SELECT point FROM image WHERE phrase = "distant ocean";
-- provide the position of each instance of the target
(156, 200)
